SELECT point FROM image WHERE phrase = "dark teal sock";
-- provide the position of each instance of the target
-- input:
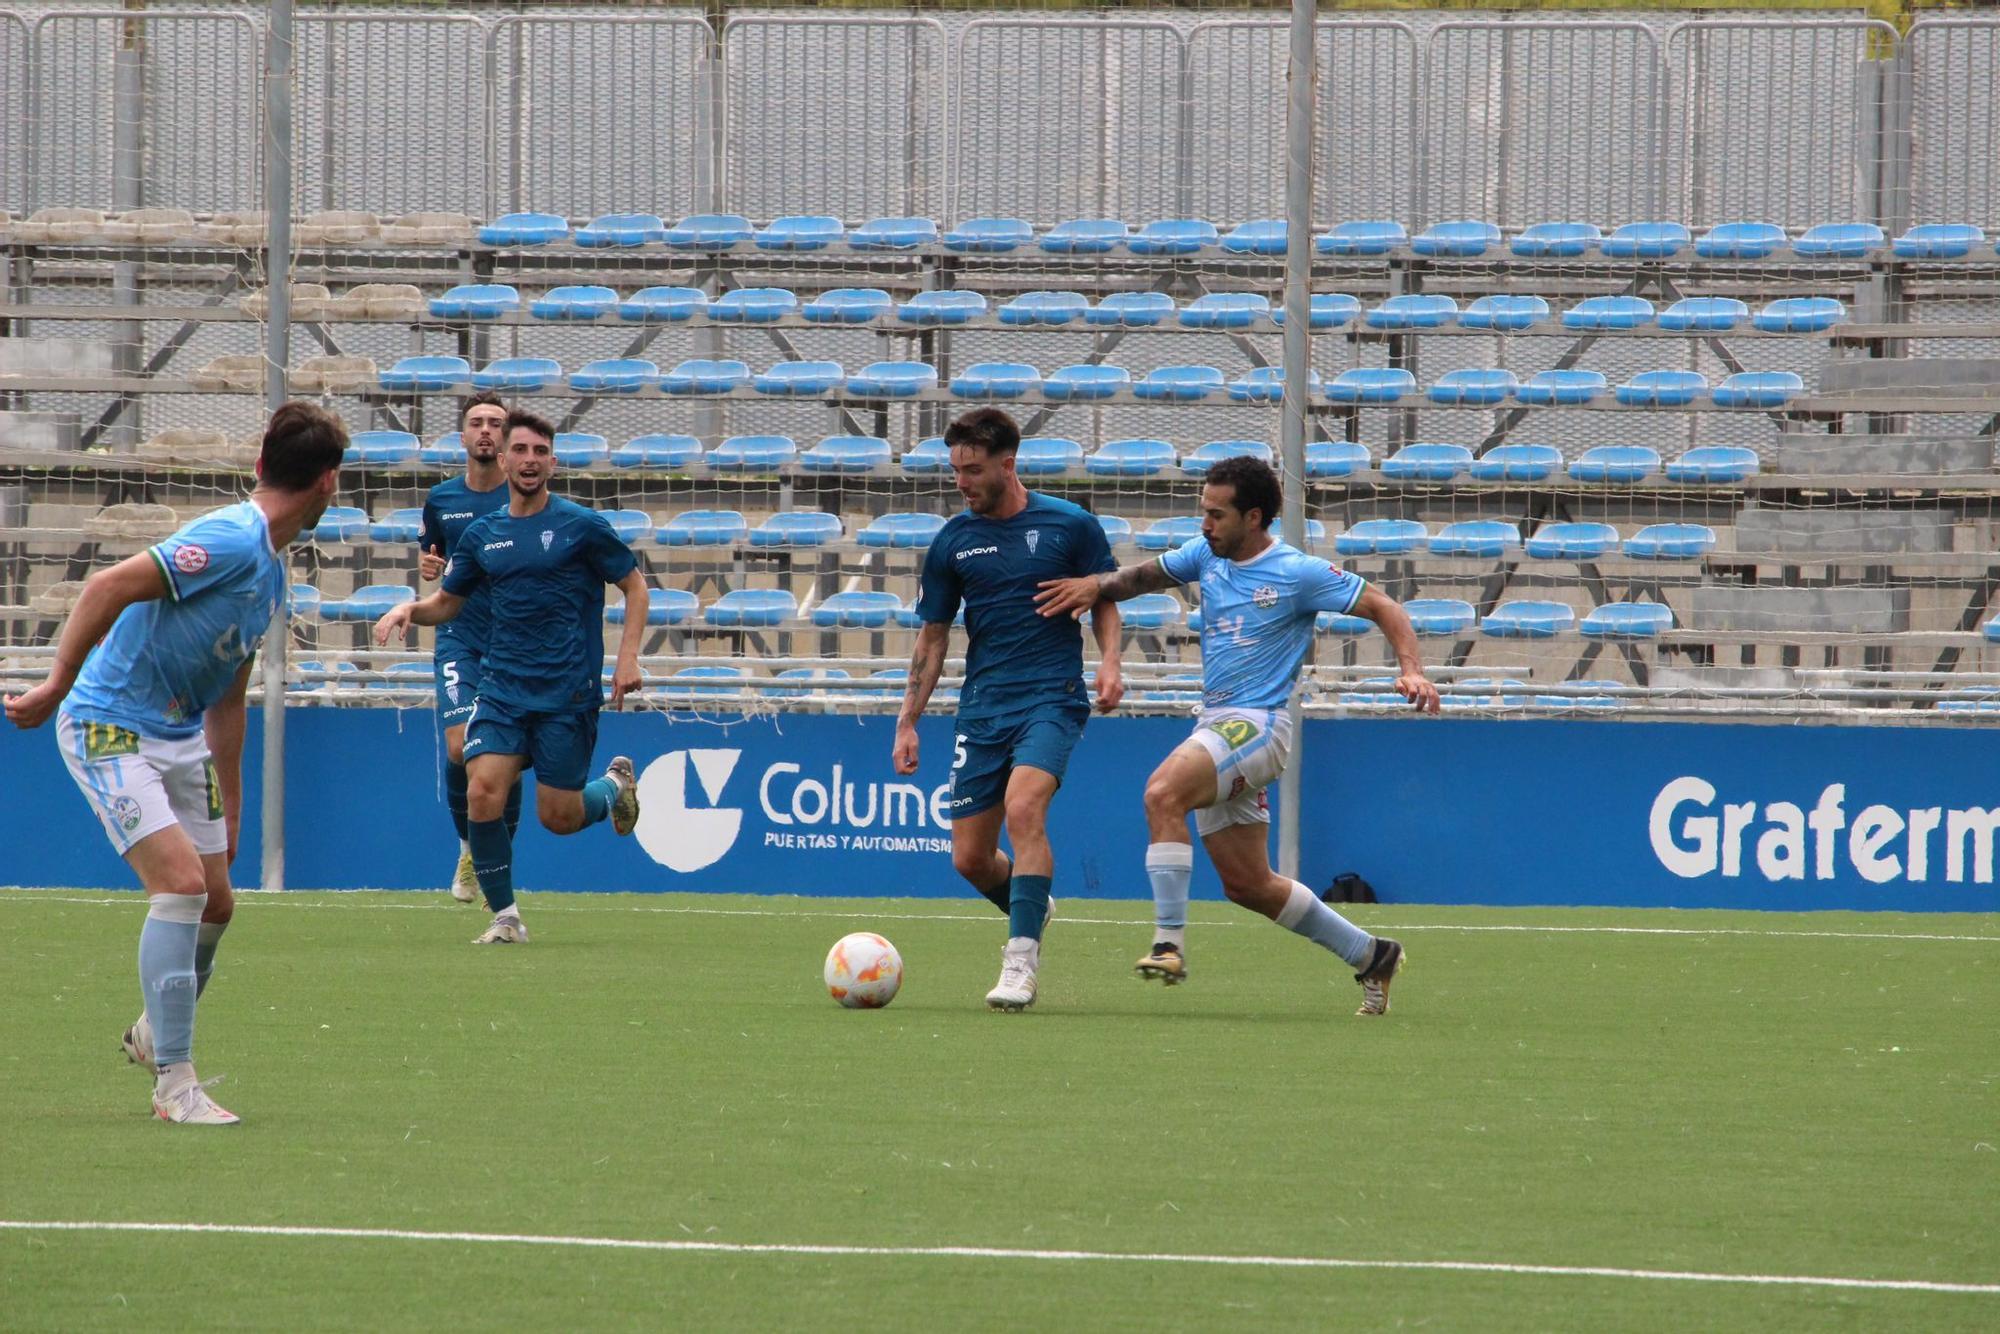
(512, 815)
(598, 795)
(1001, 895)
(493, 862)
(454, 796)
(1028, 910)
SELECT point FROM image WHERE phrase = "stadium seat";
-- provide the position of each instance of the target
(574, 303)
(1483, 538)
(856, 610)
(893, 379)
(988, 236)
(476, 301)
(1556, 240)
(1589, 702)
(1207, 456)
(1740, 240)
(793, 379)
(342, 523)
(1693, 313)
(657, 451)
(1516, 463)
(1168, 534)
(703, 529)
(1572, 541)
(1362, 238)
(378, 449)
(622, 230)
(1047, 456)
(751, 607)
(1366, 384)
(664, 606)
(927, 456)
(302, 603)
(1839, 240)
(1044, 308)
(1117, 531)
(1528, 619)
(807, 675)
(1413, 310)
(942, 308)
(1266, 384)
(900, 530)
(1456, 240)
(1427, 463)
(1173, 236)
(1758, 389)
(1670, 541)
(630, 525)
(1130, 458)
(368, 603)
(517, 229)
(663, 305)
(995, 379)
(1381, 537)
(708, 232)
(581, 449)
(1470, 388)
(1334, 458)
(1342, 625)
(848, 305)
(884, 234)
(800, 232)
(1646, 240)
(753, 305)
(1714, 465)
(1326, 310)
(1554, 388)
(1085, 236)
(447, 452)
(899, 677)
(1434, 618)
(525, 374)
(1990, 631)
(426, 374)
(405, 676)
(846, 454)
(1151, 611)
(615, 375)
(1939, 240)
(1615, 463)
(1264, 236)
(1487, 692)
(1225, 310)
(1179, 384)
(1663, 389)
(1609, 312)
(1082, 383)
(797, 528)
(699, 376)
(730, 680)
(397, 526)
(1800, 314)
(752, 453)
(1131, 310)
(910, 620)
(1504, 312)
(1627, 620)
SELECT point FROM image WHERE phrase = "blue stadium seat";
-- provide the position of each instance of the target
(1502, 311)
(792, 379)
(1839, 240)
(878, 234)
(1326, 310)
(1480, 388)
(1488, 692)
(1557, 240)
(988, 236)
(848, 305)
(1615, 463)
(1990, 631)
(1516, 463)
(1528, 619)
(1264, 236)
(1048, 455)
(379, 449)
(1413, 310)
(732, 681)
(846, 454)
(1482, 538)
(709, 231)
(995, 379)
(1266, 384)
(1714, 465)
(1758, 389)
(1078, 383)
(630, 525)
(447, 452)
(1939, 240)
(751, 607)
(800, 232)
(808, 675)
(1590, 703)
(1434, 618)
(405, 525)
(753, 305)
(663, 305)
(1179, 384)
(1627, 620)
(1663, 389)
(1972, 699)
(1207, 456)
(1552, 388)
(368, 603)
(1167, 534)
(1130, 458)
(1085, 236)
(303, 602)
(1456, 240)
(1369, 384)
(927, 456)
(1800, 314)
(1671, 541)
(893, 379)
(1173, 236)
(1151, 611)
(856, 610)
(476, 301)
(657, 451)
(404, 676)
(1344, 626)
(518, 373)
(341, 523)
(1117, 531)
(664, 606)
(614, 375)
(752, 453)
(702, 528)
(581, 449)
(698, 375)
(1381, 537)
(1373, 237)
(1044, 308)
(909, 620)
(1646, 240)
(797, 528)
(622, 229)
(1703, 313)
(1572, 541)
(900, 530)
(512, 229)
(1334, 458)
(1427, 463)
(1609, 312)
(942, 308)
(1225, 310)
(574, 303)
(899, 678)
(1131, 310)
(1740, 240)
(426, 374)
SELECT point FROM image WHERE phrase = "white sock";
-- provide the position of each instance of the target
(1170, 866)
(1026, 946)
(465, 847)
(1304, 914)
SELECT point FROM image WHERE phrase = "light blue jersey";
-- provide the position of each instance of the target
(166, 660)
(1257, 618)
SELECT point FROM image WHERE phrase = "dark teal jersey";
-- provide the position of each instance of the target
(449, 510)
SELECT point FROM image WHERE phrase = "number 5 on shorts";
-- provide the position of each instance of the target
(958, 753)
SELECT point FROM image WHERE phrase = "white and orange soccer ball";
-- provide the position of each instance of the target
(863, 971)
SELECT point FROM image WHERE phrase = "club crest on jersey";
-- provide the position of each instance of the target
(1266, 597)
(548, 538)
(1034, 536)
(191, 559)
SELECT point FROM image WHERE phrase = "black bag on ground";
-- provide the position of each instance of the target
(1349, 888)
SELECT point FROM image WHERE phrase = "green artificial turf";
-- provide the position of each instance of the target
(671, 1069)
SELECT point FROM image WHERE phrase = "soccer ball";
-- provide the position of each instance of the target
(863, 971)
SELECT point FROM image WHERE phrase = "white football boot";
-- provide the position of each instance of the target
(465, 881)
(186, 1102)
(138, 1042)
(624, 806)
(1018, 964)
(506, 930)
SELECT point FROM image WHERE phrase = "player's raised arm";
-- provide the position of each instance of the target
(1386, 612)
(1074, 597)
(137, 578)
(926, 666)
(625, 676)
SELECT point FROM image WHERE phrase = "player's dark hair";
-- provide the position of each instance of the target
(1256, 485)
(302, 443)
(989, 429)
(485, 398)
(539, 425)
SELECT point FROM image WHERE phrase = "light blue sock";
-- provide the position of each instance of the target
(166, 973)
(1027, 906)
(1170, 866)
(598, 794)
(1305, 914)
(493, 862)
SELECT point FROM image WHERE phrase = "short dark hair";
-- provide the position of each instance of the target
(989, 429)
(1256, 485)
(302, 443)
(518, 417)
(485, 398)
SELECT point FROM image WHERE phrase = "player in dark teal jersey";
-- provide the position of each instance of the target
(545, 561)
(449, 510)
(1023, 704)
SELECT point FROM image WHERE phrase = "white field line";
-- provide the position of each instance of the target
(328, 901)
(1003, 1253)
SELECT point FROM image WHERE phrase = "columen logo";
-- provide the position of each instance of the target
(675, 834)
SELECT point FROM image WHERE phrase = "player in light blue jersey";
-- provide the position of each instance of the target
(147, 688)
(1259, 600)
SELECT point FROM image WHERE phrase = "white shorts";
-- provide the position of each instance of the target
(1250, 748)
(139, 785)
